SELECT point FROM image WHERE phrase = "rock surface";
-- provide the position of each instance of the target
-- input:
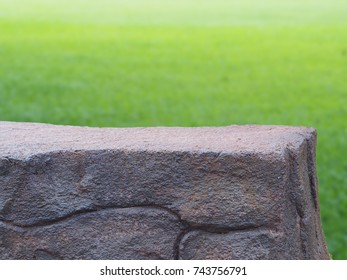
(131, 233)
(237, 192)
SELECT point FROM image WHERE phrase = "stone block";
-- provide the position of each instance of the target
(236, 192)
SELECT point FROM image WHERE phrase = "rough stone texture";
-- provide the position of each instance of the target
(247, 244)
(131, 233)
(237, 192)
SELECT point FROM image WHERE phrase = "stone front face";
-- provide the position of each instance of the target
(237, 192)
(129, 233)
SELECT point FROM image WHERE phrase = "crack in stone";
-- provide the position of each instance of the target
(187, 227)
(213, 228)
(210, 229)
(177, 244)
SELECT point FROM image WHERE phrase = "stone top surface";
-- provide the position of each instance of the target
(22, 140)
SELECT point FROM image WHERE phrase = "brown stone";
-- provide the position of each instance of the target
(210, 187)
(129, 233)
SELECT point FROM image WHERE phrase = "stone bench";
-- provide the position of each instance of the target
(237, 192)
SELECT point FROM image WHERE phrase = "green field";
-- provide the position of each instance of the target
(185, 63)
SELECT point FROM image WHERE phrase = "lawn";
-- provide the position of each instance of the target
(185, 63)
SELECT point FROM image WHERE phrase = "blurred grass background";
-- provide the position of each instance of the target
(185, 63)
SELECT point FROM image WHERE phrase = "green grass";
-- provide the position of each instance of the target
(185, 63)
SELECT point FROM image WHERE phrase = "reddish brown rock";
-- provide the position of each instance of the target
(130, 233)
(225, 185)
(250, 244)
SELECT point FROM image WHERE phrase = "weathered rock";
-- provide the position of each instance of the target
(248, 244)
(223, 185)
(131, 233)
